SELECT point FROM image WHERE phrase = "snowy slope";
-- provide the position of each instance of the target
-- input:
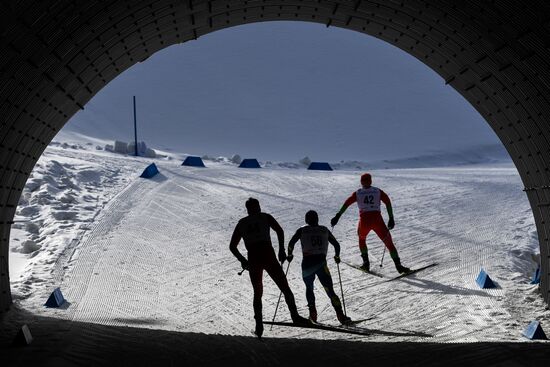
(69, 186)
(154, 253)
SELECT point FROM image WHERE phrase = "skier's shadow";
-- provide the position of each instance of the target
(437, 287)
(138, 321)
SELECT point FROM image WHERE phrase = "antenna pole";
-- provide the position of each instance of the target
(135, 129)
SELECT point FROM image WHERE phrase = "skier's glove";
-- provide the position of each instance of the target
(334, 221)
(289, 258)
(337, 259)
(282, 256)
(244, 263)
(391, 223)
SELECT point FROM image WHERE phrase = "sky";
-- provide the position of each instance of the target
(282, 91)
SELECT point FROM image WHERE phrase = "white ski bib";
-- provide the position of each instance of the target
(314, 240)
(368, 200)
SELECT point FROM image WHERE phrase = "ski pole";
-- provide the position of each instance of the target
(241, 272)
(383, 253)
(341, 288)
(340, 279)
(279, 300)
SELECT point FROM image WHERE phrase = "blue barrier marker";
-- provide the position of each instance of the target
(484, 281)
(193, 161)
(56, 299)
(320, 166)
(150, 171)
(534, 331)
(250, 163)
(536, 276)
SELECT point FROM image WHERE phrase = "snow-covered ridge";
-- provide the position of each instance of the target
(486, 154)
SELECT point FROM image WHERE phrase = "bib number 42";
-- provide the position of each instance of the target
(369, 199)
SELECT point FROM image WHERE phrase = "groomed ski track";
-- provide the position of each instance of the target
(157, 256)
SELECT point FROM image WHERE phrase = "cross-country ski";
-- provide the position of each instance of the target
(412, 271)
(349, 329)
(320, 326)
(360, 268)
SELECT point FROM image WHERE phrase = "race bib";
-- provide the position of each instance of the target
(255, 229)
(314, 240)
(368, 200)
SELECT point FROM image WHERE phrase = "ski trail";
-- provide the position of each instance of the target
(158, 257)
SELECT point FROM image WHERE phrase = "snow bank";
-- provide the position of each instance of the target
(236, 159)
(29, 246)
(67, 188)
(123, 147)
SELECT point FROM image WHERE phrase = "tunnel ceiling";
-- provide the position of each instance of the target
(56, 55)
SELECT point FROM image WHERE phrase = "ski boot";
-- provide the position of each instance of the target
(299, 320)
(344, 320)
(313, 313)
(400, 268)
(366, 263)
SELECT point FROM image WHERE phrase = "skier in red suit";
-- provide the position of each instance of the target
(368, 200)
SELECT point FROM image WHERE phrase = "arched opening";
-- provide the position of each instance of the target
(494, 55)
(273, 84)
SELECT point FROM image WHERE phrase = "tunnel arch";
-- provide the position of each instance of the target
(56, 55)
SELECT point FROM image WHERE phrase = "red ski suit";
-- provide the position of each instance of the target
(370, 218)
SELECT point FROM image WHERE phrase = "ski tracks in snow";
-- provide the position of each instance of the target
(158, 257)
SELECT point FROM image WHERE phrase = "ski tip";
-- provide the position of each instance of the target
(412, 271)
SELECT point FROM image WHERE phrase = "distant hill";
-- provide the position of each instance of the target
(485, 154)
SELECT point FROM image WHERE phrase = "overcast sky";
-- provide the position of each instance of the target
(284, 90)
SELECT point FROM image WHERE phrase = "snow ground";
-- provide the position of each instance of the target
(153, 254)
(68, 188)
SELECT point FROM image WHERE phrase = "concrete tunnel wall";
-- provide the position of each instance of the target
(56, 55)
